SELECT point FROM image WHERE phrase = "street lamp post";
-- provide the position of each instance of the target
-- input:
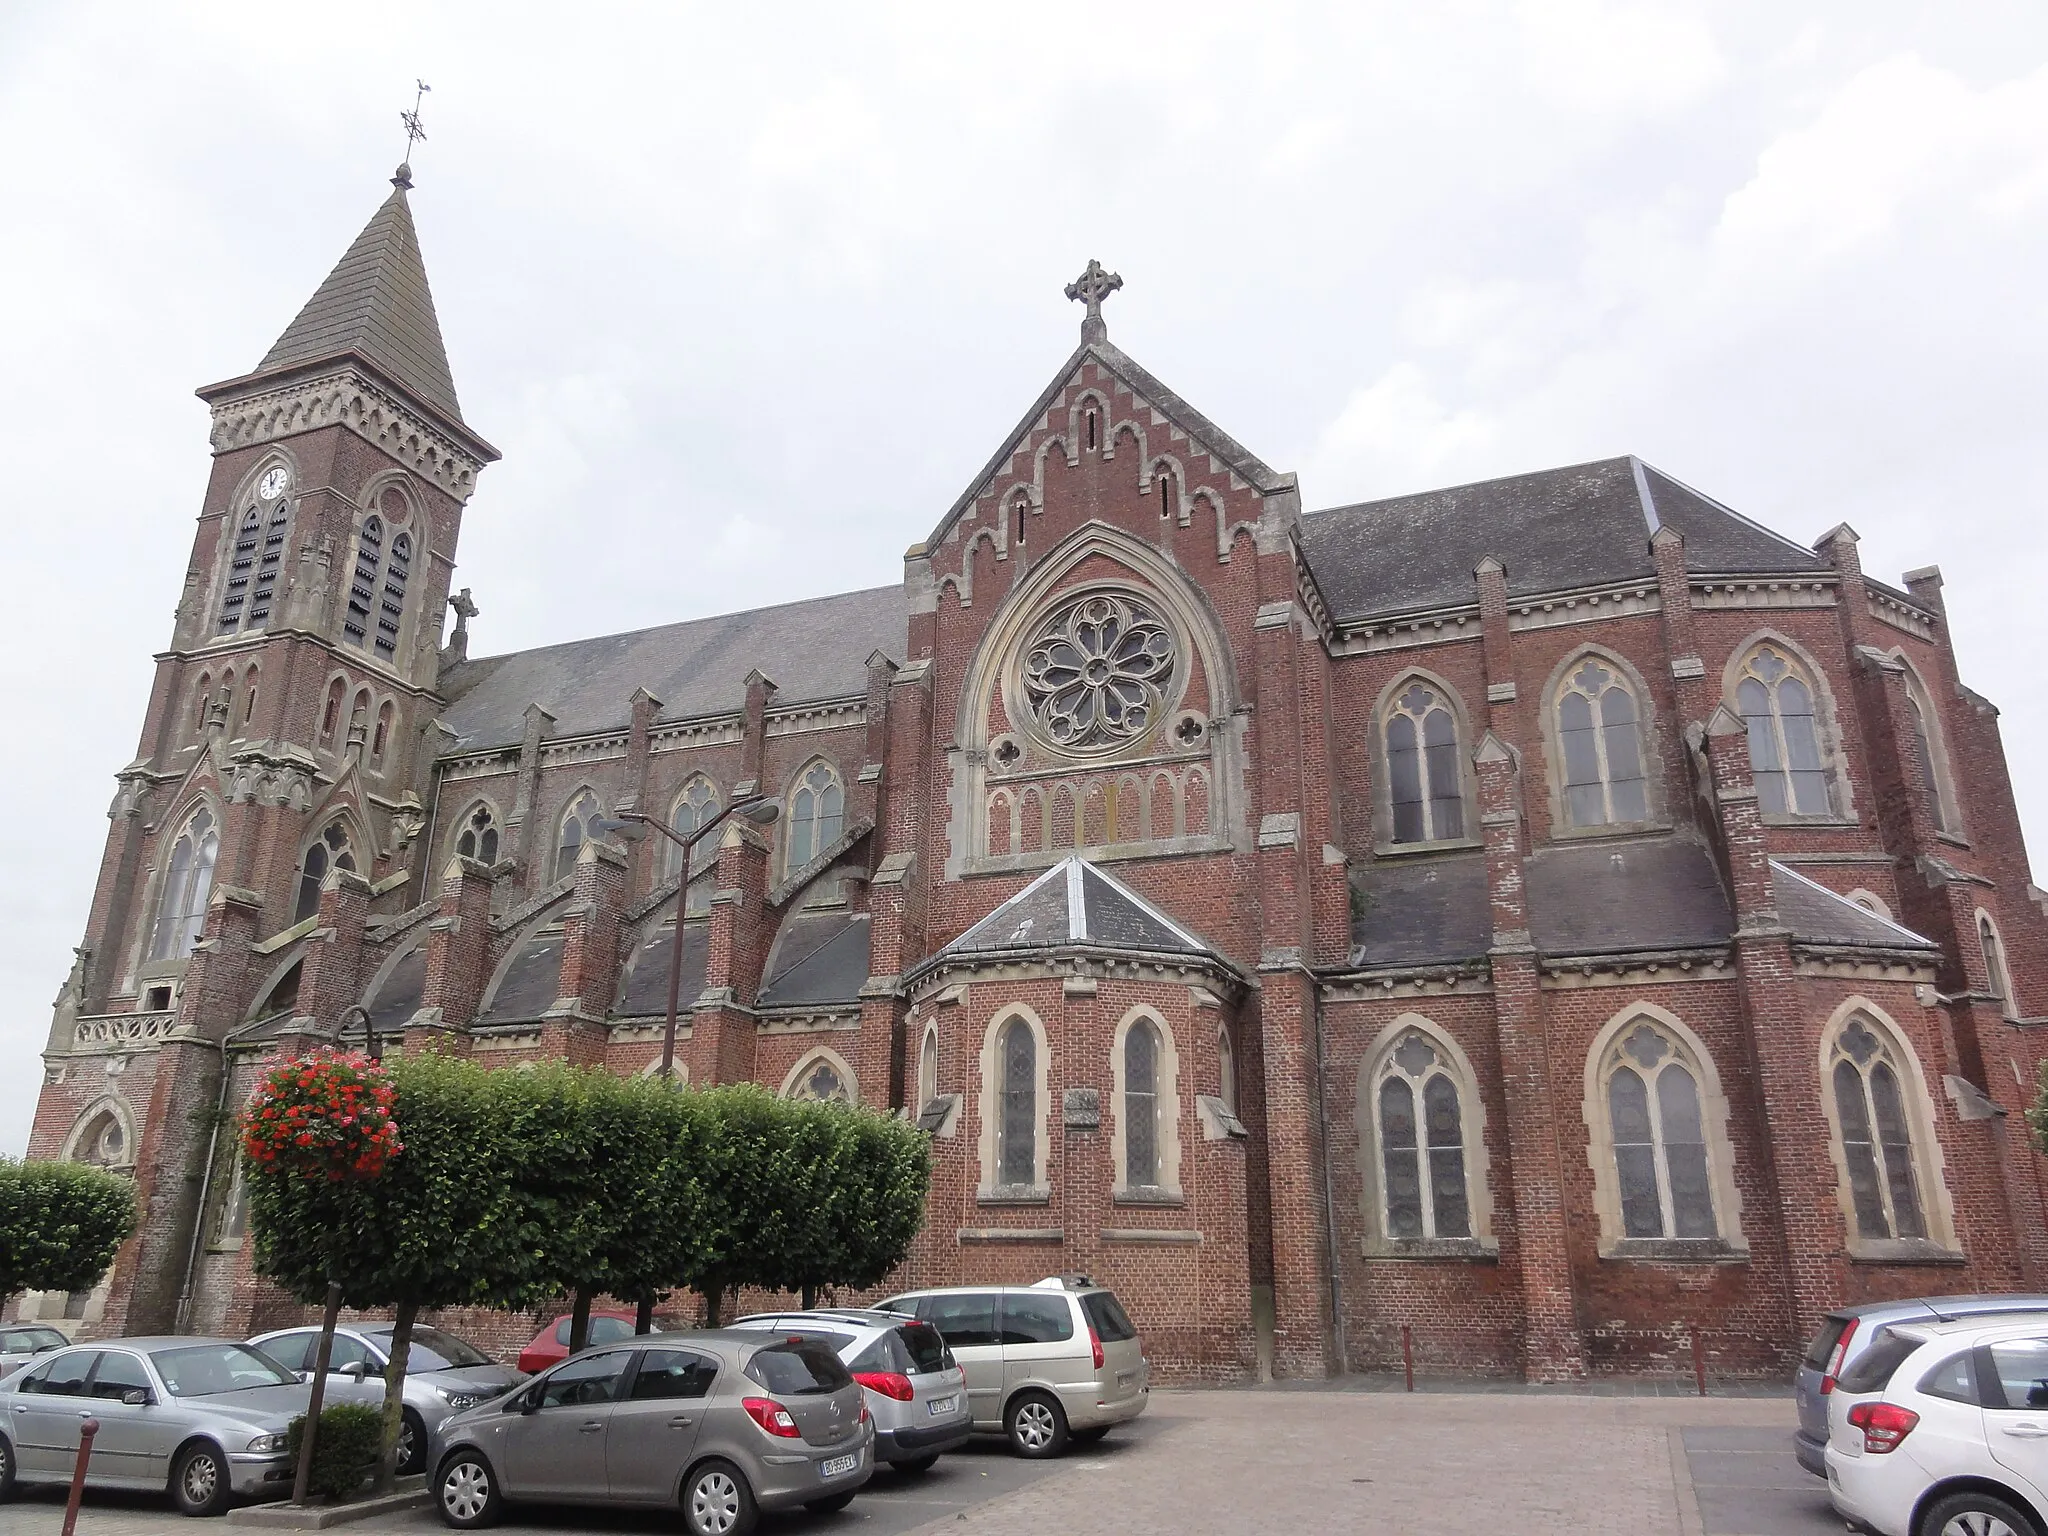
(758, 809)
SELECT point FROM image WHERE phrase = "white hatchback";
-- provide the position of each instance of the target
(1941, 1429)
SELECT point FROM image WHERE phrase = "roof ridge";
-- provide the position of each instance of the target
(1857, 907)
(1466, 485)
(1721, 506)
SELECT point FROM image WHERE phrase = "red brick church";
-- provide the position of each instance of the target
(1550, 915)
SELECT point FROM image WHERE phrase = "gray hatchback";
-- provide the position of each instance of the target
(719, 1425)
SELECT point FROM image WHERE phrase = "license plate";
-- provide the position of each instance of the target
(837, 1465)
(1125, 1378)
(943, 1404)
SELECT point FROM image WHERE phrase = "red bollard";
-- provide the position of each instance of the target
(1699, 1361)
(1407, 1358)
(86, 1431)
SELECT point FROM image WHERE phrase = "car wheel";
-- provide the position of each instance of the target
(1090, 1435)
(717, 1501)
(916, 1466)
(1036, 1425)
(831, 1505)
(412, 1444)
(199, 1480)
(1975, 1514)
(466, 1493)
(6, 1468)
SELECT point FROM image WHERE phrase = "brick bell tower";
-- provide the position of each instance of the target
(285, 738)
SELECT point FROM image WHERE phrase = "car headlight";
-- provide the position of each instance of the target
(461, 1400)
(267, 1443)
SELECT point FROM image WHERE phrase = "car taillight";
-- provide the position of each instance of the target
(1884, 1425)
(1095, 1345)
(863, 1410)
(889, 1383)
(1841, 1351)
(771, 1416)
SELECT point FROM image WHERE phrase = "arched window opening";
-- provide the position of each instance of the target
(579, 826)
(249, 698)
(201, 697)
(1424, 1187)
(188, 883)
(695, 806)
(397, 571)
(241, 571)
(928, 1067)
(1090, 426)
(817, 812)
(1423, 773)
(330, 717)
(1021, 508)
(1659, 1137)
(1163, 473)
(1599, 732)
(103, 1143)
(1226, 1068)
(383, 733)
(479, 836)
(362, 589)
(1877, 1138)
(820, 1083)
(1776, 700)
(1141, 1106)
(268, 564)
(1923, 752)
(1998, 980)
(330, 850)
(359, 714)
(1017, 1123)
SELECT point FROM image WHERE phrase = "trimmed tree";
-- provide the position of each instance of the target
(60, 1225)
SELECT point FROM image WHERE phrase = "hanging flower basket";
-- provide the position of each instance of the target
(324, 1116)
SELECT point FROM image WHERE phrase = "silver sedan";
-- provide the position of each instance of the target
(203, 1418)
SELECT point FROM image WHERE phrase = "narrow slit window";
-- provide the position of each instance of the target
(383, 733)
(1017, 1143)
(1141, 1106)
(330, 717)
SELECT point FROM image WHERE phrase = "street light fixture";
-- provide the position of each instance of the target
(633, 825)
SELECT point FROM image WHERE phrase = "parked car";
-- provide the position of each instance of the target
(1941, 1429)
(443, 1375)
(1847, 1331)
(718, 1424)
(204, 1418)
(552, 1342)
(22, 1342)
(1045, 1363)
(916, 1391)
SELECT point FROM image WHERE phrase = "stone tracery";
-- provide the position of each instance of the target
(1097, 673)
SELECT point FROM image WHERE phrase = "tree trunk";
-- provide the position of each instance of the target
(810, 1295)
(643, 1317)
(713, 1295)
(321, 1357)
(579, 1319)
(394, 1393)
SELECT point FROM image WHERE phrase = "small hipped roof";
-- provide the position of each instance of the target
(1076, 904)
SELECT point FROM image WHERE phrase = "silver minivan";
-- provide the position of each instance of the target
(1045, 1363)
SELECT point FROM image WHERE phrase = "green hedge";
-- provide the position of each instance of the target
(345, 1450)
(60, 1224)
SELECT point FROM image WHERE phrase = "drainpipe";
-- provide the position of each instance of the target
(1329, 1186)
(220, 1110)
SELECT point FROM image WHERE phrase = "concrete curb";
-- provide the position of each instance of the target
(286, 1516)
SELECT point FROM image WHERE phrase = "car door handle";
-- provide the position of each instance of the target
(2026, 1431)
(591, 1428)
(680, 1421)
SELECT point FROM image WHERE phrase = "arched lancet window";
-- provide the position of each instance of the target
(1599, 733)
(188, 882)
(579, 826)
(249, 697)
(695, 805)
(1924, 751)
(330, 850)
(1424, 1188)
(1226, 1068)
(1017, 1101)
(103, 1142)
(242, 557)
(201, 697)
(362, 587)
(1091, 425)
(1424, 779)
(1659, 1136)
(1141, 1106)
(1777, 703)
(817, 813)
(928, 1067)
(1868, 1083)
(330, 716)
(478, 838)
(397, 571)
(268, 564)
(819, 1082)
(2000, 979)
(383, 731)
(1162, 472)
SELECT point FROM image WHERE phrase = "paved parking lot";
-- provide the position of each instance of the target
(1283, 1463)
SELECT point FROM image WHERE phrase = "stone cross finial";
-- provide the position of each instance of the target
(1091, 288)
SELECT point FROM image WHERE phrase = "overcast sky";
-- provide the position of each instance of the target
(746, 303)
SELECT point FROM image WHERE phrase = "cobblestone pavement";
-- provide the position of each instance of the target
(1283, 1462)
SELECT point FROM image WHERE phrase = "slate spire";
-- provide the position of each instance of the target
(376, 304)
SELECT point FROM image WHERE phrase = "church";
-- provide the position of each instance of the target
(1543, 925)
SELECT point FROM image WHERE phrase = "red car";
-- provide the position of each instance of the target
(552, 1342)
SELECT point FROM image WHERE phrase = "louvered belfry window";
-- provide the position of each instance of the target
(241, 568)
(362, 590)
(397, 568)
(268, 564)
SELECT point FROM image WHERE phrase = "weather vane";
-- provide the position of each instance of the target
(414, 134)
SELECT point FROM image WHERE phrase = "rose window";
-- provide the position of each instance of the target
(1096, 673)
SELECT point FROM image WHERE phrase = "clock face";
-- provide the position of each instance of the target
(273, 482)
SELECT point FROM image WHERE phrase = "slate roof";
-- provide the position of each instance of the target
(819, 958)
(1074, 903)
(1554, 530)
(1604, 898)
(645, 990)
(1817, 915)
(397, 998)
(1419, 911)
(376, 303)
(530, 984)
(816, 649)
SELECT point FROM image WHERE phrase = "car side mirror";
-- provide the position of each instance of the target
(305, 1376)
(137, 1397)
(355, 1370)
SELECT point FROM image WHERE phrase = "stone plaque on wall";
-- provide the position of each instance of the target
(1083, 1109)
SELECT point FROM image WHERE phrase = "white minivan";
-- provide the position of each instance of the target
(1046, 1364)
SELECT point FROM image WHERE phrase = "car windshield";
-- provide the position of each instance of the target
(802, 1369)
(204, 1370)
(433, 1350)
(926, 1349)
(26, 1341)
